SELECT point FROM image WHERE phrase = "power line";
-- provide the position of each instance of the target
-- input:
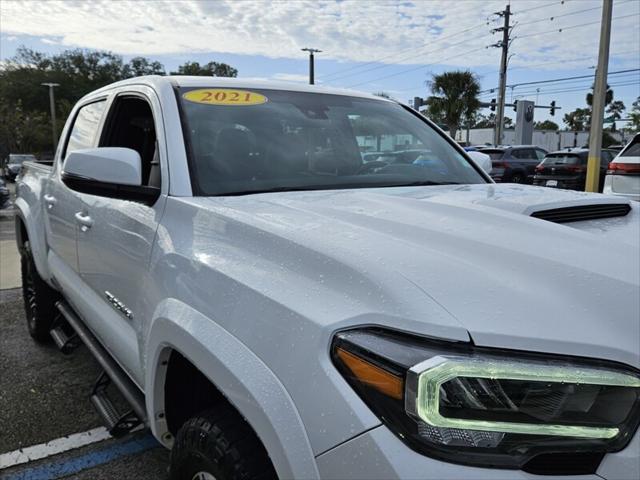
(572, 60)
(540, 6)
(413, 54)
(555, 80)
(554, 17)
(415, 68)
(551, 19)
(577, 88)
(555, 62)
(571, 84)
(562, 29)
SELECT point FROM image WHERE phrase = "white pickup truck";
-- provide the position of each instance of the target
(272, 302)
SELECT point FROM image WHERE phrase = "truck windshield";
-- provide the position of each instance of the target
(254, 141)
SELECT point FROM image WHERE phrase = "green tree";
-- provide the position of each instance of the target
(25, 102)
(489, 121)
(578, 119)
(211, 69)
(21, 131)
(615, 111)
(139, 66)
(455, 99)
(634, 116)
(546, 125)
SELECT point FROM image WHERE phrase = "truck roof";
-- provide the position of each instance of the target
(225, 82)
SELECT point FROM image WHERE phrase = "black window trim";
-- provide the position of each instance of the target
(112, 112)
(143, 194)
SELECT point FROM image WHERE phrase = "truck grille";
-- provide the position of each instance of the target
(583, 212)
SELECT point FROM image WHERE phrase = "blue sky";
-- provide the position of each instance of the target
(393, 46)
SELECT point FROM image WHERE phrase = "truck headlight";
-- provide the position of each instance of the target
(484, 407)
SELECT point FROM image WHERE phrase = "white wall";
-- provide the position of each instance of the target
(547, 139)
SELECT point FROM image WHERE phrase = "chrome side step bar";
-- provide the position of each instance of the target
(116, 374)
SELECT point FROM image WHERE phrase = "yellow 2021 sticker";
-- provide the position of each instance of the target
(224, 96)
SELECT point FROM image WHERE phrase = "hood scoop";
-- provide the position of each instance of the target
(581, 213)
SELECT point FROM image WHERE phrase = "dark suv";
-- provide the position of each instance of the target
(515, 164)
(568, 169)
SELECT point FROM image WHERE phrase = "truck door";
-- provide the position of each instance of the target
(60, 202)
(114, 251)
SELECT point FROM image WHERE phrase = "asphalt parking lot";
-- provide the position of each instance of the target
(44, 398)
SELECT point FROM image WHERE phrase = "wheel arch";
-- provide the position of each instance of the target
(26, 231)
(235, 374)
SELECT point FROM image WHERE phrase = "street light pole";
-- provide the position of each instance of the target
(311, 59)
(52, 105)
(599, 97)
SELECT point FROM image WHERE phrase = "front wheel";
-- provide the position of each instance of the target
(39, 298)
(218, 444)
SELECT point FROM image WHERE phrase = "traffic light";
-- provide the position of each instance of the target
(418, 102)
(515, 105)
(493, 105)
(552, 110)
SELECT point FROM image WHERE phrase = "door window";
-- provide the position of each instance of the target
(131, 125)
(526, 154)
(85, 126)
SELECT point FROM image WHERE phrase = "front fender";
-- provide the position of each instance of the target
(240, 375)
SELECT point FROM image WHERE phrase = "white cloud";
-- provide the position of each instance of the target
(291, 77)
(405, 32)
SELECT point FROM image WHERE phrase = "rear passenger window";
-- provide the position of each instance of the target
(524, 154)
(85, 126)
(633, 150)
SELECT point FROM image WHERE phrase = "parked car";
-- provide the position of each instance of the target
(393, 156)
(5, 195)
(514, 164)
(270, 308)
(568, 169)
(623, 173)
(13, 164)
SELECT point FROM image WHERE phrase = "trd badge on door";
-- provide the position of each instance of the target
(118, 305)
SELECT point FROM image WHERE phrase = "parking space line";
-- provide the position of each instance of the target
(73, 465)
(53, 447)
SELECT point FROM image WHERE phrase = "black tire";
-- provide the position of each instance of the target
(220, 443)
(517, 178)
(39, 298)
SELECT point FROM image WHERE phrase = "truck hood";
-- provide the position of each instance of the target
(511, 280)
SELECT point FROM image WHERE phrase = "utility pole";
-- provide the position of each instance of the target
(599, 96)
(52, 105)
(504, 44)
(311, 52)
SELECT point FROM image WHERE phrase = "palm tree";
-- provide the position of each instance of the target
(607, 99)
(454, 99)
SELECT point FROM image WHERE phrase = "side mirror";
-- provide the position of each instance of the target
(112, 172)
(482, 160)
(115, 165)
